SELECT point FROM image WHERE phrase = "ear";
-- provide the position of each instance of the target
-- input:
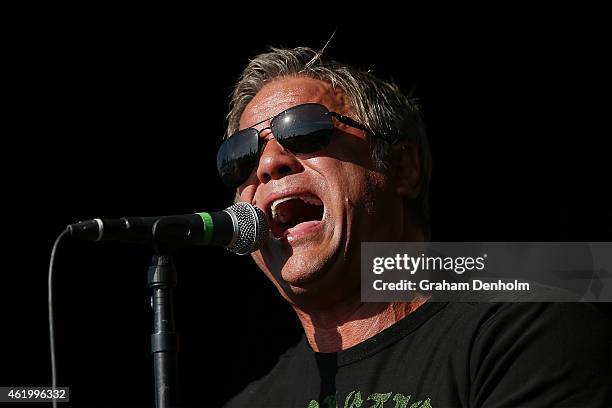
(408, 170)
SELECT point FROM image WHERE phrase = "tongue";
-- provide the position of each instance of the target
(294, 212)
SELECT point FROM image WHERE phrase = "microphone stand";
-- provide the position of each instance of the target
(162, 280)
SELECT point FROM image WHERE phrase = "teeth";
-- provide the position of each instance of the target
(280, 217)
(311, 200)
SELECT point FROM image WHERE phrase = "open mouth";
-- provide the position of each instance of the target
(294, 213)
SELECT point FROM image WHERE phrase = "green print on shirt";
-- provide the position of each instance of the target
(354, 400)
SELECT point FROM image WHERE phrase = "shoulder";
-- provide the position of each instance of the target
(545, 353)
(507, 310)
(496, 326)
(540, 319)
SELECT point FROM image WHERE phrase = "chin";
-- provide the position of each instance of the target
(313, 277)
(303, 269)
(296, 272)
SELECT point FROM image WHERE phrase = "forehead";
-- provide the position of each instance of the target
(284, 93)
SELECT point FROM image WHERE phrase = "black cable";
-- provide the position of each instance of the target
(50, 306)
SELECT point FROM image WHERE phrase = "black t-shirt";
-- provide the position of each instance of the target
(453, 355)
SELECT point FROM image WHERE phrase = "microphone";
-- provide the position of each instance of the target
(241, 228)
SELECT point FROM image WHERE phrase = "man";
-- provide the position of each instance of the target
(335, 156)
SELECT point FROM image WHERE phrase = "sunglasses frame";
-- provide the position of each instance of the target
(341, 118)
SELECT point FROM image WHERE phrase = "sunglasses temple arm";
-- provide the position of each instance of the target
(348, 121)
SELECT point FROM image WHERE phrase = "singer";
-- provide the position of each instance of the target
(335, 156)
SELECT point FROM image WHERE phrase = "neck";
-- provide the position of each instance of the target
(349, 324)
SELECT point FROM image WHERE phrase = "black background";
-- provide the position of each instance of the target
(116, 112)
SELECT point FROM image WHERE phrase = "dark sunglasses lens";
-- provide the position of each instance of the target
(303, 129)
(237, 157)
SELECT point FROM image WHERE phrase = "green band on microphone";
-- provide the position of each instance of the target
(208, 226)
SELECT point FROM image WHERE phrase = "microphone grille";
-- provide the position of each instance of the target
(252, 228)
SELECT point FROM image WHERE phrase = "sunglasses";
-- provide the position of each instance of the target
(305, 128)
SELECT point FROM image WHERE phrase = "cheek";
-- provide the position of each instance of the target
(246, 192)
(353, 148)
(367, 191)
(349, 183)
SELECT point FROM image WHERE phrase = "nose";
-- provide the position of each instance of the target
(275, 162)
